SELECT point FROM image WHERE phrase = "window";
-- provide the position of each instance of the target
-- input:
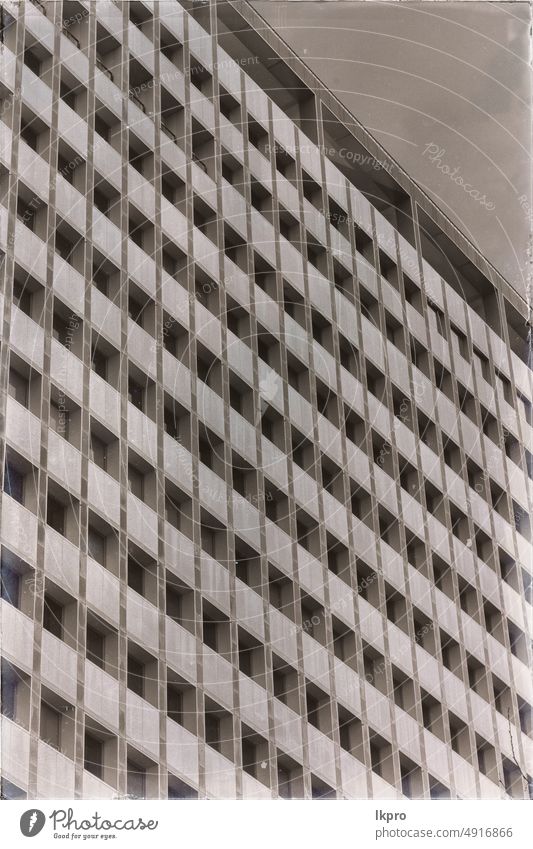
(172, 188)
(289, 777)
(338, 218)
(17, 579)
(317, 254)
(437, 790)
(55, 515)
(272, 424)
(396, 608)
(254, 755)
(518, 642)
(216, 631)
(477, 677)
(219, 728)
(93, 755)
(135, 676)
(53, 616)
(67, 240)
(257, 135)
(14, 482)
(136, 781)
(22, 297)
(98, 451)
(251, 657)
(411, 776)
(135, 575)
(212, 731)
(351, 734)
(313, 619)
(201, 78)
(318, 709)
(525, 713)
(175, 704)
(175, 339)
(180, 604)
(321, 790)
(171, 47)
(232, 170)
(181, 702)
(235, 247)
(175, 262)
(502, 696)
(18, 386)
(95, 648)
(459, 342)
(338, 559)
(10, 584)
(459, 736)
(96, 546)
(312, 191)
(33, 59)
(50, 726)
(285, 680)
(432, 715)
(68, 94)
(11, 791)
(99, 364)
(261, 199)
(27, 132)
(141, 231)
(349, 355)
(59, 419)
(15, 689)
(178, 789)
(141, 309)
(381, 758)
(101, 126)
(136, 394)
(344, 643)
(9, 682)
(302, 452)
(375, 668)
(106, 124)
(135, 481)
(439, 320)
(326, 402)
(281, 593)
(229, 107)
(512, 779)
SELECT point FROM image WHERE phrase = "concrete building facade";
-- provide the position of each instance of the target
(266, 468)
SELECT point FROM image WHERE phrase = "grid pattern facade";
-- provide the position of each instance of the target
(265, 508)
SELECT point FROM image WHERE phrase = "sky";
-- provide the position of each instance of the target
(445, 88)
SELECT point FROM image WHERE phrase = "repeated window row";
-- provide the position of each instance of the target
(100, 745)
(142, 310)
(60, 616)
(107, 199)
(105, 447)
(109, 49)
(100, 749)
(65, 419)
(68, 330)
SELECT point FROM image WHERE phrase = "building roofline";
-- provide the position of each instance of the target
(362, 136)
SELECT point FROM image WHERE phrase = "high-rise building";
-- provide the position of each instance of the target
(265, 508)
